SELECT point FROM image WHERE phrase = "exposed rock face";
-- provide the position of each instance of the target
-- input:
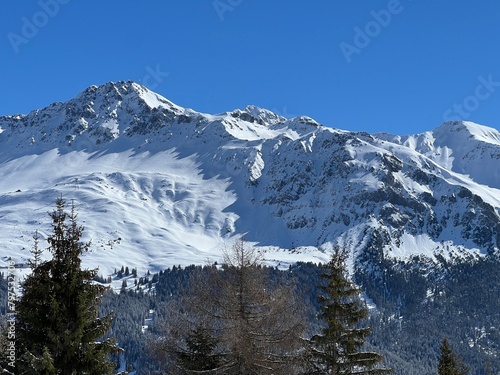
(286, 183)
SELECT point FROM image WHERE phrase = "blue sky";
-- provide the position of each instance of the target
(393, 66)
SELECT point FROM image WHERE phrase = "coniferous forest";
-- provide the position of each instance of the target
(242, 317)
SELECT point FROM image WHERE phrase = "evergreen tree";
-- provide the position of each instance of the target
(200, 354)
(337, 349)
(449, 363)
(58, 328)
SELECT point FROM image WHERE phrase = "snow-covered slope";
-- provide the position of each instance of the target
(158, 185)
(460, 146)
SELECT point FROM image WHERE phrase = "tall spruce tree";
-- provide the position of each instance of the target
(337, 350)
(58, 328)
(449, 363)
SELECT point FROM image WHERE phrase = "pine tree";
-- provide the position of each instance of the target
(337, 349)
(449, 363)
(58, 328)
(200, 354)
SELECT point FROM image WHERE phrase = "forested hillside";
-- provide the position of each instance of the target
(411, 310)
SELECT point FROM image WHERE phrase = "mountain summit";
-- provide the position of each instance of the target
(159, 185)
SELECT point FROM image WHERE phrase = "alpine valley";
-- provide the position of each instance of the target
(157, 185)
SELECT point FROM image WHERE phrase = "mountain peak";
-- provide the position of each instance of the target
(98, 115)
(254, 114)
(127, 91)
(172, 178)
(470, 130)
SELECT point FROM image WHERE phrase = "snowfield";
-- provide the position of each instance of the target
(157, 185)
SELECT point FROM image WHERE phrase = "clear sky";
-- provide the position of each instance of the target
(378, 66)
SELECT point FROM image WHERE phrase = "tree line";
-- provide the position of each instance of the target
(228, 319)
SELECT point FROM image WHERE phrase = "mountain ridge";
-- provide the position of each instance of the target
(159, 185)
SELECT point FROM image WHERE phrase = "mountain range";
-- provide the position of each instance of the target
(157, 185)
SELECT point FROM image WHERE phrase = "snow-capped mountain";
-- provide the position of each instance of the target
(157, 185)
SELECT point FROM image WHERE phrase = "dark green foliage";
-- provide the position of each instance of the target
(3, 294)
(58, 329)
(200, 354)
(404, 331)
(129, 311)
(338, 349)
(453, 301)
(416, 304)
(449, 363)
